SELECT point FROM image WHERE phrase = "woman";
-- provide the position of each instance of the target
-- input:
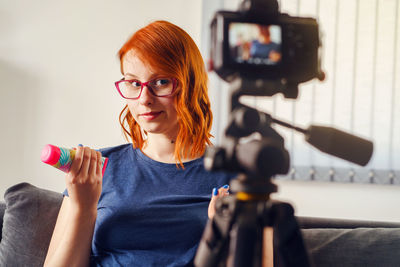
(264, 47)
(150, 208)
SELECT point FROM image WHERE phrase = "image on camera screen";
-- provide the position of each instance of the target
(255, 43)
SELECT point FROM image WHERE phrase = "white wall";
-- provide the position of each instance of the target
(57, 67)
(341, 200)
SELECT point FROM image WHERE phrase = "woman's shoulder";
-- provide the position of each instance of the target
(116, 150)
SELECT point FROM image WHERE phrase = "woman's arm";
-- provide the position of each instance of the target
(268, 247)
(71, 241)
(70, 244)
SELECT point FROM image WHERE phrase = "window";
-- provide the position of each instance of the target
(361, 94)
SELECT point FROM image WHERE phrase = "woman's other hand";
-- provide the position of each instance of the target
(84, 180)
(216, 193)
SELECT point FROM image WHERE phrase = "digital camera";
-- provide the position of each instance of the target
(268, 45)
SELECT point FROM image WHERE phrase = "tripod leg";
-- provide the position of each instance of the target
(245, 244)
(213, 246)
(287, 235)
(208, 252)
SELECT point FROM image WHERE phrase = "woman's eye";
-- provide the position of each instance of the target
(162, 82)
(136, 84)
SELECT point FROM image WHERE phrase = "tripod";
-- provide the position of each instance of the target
(234, 237)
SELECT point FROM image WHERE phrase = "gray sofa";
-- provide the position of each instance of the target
(28, 215)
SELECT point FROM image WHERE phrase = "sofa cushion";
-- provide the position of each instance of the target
(29, 220)
(353, 247)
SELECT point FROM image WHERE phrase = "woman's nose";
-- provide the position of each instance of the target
(146, 97)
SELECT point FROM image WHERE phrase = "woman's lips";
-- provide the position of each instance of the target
(150, 115)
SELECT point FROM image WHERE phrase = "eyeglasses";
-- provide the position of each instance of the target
(132, 89)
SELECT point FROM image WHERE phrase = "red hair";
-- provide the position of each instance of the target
(172, 52)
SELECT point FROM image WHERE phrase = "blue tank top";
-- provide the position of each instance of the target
(151, 213)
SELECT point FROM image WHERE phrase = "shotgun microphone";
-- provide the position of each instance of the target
(340, 144)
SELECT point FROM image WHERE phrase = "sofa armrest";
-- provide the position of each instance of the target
(28, 224)
(2, 210)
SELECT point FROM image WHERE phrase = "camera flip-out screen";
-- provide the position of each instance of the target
(272, 47)
(255, 44)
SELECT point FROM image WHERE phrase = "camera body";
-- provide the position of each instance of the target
(270, 46)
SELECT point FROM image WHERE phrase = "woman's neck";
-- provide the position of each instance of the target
(161, 148)
(264, 39)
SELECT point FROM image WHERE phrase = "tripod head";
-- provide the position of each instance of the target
(261, 158)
